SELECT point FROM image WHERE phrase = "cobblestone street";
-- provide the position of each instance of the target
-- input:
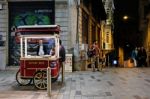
(112, 83)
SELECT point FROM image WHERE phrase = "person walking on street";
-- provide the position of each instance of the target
(142, 57)
(134, 56)
(96, 51)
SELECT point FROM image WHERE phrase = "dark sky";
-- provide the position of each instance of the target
(125, 31)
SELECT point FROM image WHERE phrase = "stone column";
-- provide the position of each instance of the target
(3, 35)
(148, 40)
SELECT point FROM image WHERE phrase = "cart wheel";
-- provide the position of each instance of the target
(21, 81)
(40, 80)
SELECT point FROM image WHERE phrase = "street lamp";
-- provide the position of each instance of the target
(125, 17)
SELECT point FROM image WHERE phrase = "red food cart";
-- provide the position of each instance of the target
(33, 65)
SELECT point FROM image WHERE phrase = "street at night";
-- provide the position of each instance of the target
(74, 49)
(111, 83)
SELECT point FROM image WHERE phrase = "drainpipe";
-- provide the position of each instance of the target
(77, 5)
(77, 34)
(77, 64)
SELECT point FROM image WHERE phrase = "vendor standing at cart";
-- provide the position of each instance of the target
(41, 48)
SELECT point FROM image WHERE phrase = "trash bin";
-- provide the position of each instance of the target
(68, 63)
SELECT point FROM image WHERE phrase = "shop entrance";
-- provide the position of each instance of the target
(27, 13)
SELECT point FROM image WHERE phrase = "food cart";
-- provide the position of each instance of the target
(32, 65)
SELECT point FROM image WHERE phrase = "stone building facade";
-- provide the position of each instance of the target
(3, 34)
(79, 21)
(107, 28)
(144, 25)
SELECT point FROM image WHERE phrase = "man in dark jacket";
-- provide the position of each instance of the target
(41, 48)
(62, 52)
(62, 55)
(143, 57)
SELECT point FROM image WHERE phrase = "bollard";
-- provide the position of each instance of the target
(48, 81)
(62, 79)
(98, 63)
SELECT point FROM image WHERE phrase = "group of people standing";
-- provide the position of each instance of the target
(139, 56)
(94, 54)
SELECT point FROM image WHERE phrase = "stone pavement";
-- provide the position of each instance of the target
(112, 83)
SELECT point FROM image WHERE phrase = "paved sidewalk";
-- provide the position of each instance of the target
(112, 83)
